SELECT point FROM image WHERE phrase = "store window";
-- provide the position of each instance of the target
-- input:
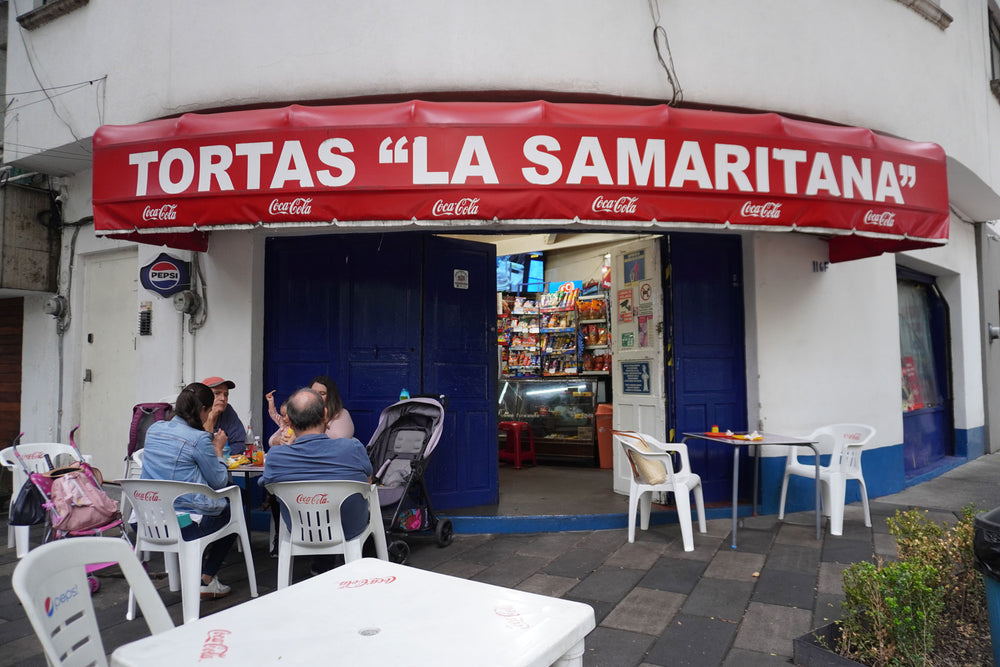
(921, 375)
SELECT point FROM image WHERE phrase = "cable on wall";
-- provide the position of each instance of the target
(663, 54)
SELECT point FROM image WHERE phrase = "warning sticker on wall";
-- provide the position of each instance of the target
(626, 300)
(635, 377)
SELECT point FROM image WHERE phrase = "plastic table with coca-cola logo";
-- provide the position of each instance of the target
(371, 611)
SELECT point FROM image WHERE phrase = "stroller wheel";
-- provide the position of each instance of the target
(444, 532)
(399, 551)
(94, 584)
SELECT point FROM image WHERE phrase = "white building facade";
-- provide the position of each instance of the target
(821, 341)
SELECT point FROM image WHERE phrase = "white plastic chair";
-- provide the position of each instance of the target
(51, 583)
(844, 443)
(133, 470)
(158, 530)
(33, 455)
(314, 510)
(652, 470)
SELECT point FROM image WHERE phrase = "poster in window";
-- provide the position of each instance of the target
(912, 396)
(626, 301)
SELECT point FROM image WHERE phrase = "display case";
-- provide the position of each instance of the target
(560, 413)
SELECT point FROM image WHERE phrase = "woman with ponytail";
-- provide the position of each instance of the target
(181, 450)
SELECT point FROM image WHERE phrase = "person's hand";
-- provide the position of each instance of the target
(219, 441)
(271, 408)
(218, 407)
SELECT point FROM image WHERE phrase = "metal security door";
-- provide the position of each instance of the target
(347, 307)
(638, 391)
(379, 313)
(459, 360)
(708, 373)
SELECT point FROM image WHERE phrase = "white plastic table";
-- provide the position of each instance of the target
(373, 612)
(766, 439)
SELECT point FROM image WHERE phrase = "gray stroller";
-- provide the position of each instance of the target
(407, 433)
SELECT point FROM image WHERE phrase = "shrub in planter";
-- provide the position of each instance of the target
(891, 612)
(928, 608)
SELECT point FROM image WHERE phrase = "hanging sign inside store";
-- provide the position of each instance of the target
(166, 275)
(437, 165)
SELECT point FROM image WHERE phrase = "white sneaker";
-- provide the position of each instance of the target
(214, 589)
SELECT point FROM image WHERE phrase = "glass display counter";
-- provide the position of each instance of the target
(560, 413)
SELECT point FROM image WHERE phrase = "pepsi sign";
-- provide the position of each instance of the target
(166, 275)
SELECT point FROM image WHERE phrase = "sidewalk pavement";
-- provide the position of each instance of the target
(655, 604)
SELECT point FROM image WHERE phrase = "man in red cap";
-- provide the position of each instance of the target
(223, 415)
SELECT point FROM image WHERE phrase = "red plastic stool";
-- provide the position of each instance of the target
(514, 447)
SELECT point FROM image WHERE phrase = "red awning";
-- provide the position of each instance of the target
(448, 165)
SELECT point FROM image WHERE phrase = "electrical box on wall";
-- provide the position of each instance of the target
(29, 240)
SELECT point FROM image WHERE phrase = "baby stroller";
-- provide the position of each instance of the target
(99, 504)
(407, 433)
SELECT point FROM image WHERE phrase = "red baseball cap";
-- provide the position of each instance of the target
(215, 381)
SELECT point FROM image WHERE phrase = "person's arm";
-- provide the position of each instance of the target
(271, 408)
(208, 458)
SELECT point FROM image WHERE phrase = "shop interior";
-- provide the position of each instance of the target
(554, 373)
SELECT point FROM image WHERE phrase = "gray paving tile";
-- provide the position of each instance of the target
(792, 589)
(693, 641)
(547, 584)
(546, 545)
(754, 541)
(769, 628)
(578, 562)
(800, 535)
(847, 549)
(831, 578)
(827, 609)
(719, 598)
(636, 556)
(459, 567)
(607, 584)
(739, 657)
(793, 558)
(644, 610)
(510, 571)
(610, 647)
(885, 546)
(607, 541)
(735, 565)
(673, 574)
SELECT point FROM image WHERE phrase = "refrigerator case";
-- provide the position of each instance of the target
(560, 413)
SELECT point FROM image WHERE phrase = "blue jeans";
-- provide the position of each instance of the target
(216, 551)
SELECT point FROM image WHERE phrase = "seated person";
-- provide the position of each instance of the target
(223, 416)
(181, 450)
(315, 456)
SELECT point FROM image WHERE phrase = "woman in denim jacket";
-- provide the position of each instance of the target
(181, 450)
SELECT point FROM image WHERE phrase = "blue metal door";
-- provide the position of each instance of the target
(705, 343)
(353, 307)
(459, 361)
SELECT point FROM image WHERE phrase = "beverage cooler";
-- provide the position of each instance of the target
(561, 414)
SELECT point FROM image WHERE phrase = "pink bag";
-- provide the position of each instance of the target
(78, 504)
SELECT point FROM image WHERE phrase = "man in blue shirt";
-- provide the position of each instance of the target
(224, 416)
(315, 456)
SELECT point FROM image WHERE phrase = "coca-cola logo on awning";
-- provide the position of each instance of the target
(619, 205)
(464, 207)
(165, 212)
(769, 210)
(880, 219)
(297, 206)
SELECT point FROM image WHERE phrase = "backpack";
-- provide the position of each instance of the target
(145, 415)
(79, 504)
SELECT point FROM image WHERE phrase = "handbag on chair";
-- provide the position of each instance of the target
(27, 509)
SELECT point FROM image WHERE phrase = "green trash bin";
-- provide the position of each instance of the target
(986, 544)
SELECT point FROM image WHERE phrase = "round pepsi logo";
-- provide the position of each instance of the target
(164, 275)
